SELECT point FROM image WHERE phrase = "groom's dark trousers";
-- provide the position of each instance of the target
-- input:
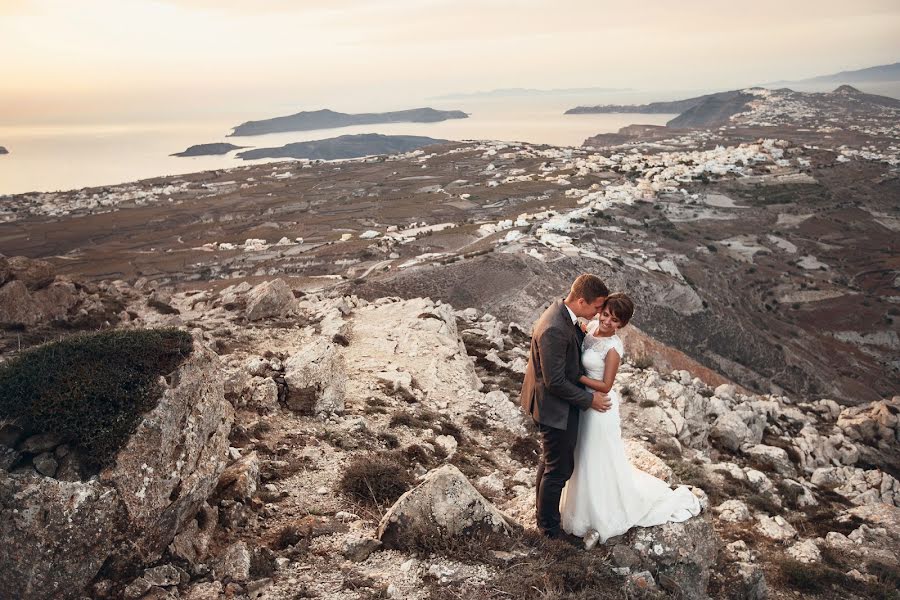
(554, 399)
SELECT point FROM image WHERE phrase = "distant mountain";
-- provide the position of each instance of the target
(344, 146)
(880, 73)
(328, 119)
(700, 111)
(872, 99)
(524, 92)
(3, 150)
(208, 149)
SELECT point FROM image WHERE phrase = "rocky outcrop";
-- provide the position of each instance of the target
(444, 505)
(681, 554)
(31, 294)
(57, 534)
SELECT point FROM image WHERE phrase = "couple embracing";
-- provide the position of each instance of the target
(586, 486)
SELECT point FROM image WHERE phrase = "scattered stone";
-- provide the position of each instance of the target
(805, 551)
(640, 583)
(359, 549)
(732, 511)
(739, 551)
(42, 442)
(772, 457)
(775, 528)
(448, 443)
(236, 562)
(731, 432)
(240, 480)
(45, 464)
(137, 589)
(163, 575)
(204, 591)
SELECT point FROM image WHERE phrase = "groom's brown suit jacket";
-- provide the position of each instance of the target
(551, 386)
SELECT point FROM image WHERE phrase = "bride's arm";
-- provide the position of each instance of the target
(609, 374)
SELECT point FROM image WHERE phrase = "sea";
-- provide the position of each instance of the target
(46, 158)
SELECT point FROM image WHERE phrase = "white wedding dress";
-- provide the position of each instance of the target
(606, 493)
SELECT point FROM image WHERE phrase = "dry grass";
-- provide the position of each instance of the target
(376, 479)
(545, 569)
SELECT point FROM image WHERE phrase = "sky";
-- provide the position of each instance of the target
(99, 61)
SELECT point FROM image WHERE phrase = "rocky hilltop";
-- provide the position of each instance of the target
(375, 449)
(747, 106)
(675, 106)
(3, 150)
(328, 119)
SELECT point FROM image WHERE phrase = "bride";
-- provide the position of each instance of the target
(606, 496)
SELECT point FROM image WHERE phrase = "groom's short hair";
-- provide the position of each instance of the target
(589, 287)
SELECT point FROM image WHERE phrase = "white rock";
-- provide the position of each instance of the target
(775, 528)
(733, 511)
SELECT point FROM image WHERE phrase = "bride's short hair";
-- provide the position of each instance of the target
(621, 306)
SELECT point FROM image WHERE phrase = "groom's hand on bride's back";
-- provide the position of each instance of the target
(601, 402)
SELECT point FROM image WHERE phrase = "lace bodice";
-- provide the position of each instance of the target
(594, 349)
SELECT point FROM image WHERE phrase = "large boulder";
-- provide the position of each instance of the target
(681, 554)
(33, 273)
(315, 376)
(445, 505)
(269, 299)
(732, 432)
(56, 535)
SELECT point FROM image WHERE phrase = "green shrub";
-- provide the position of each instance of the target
(90, 389)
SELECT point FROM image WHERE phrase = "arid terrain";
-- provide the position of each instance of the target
(764, 250)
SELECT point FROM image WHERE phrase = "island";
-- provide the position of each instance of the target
(329, 119)
(208, 149)
(3, 150)
(344, 146)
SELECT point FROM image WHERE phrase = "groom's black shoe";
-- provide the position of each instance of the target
(552, 534)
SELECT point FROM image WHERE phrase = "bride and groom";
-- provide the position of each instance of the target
(585, 484)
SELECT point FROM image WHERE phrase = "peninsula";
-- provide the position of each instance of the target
(699, 111)
(344, 146)
(329, 119)
(208, 149)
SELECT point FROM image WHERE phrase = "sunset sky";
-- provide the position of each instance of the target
(108, 60)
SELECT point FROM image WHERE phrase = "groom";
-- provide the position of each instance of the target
(552, 395)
